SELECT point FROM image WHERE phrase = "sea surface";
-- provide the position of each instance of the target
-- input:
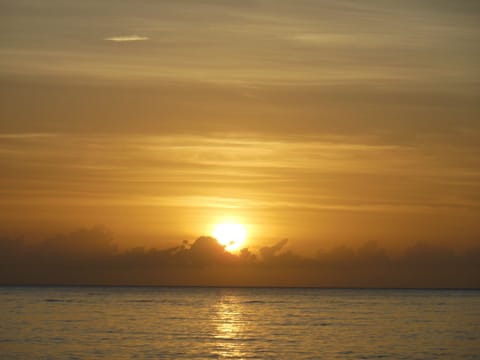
(237, 323)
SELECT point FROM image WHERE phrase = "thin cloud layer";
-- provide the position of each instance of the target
(126, 38)
(255, 42)
(330, 121)
(307, 187)
(90, 256)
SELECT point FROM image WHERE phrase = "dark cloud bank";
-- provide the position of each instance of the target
(90, 256)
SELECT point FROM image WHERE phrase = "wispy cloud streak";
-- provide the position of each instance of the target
(126, 38)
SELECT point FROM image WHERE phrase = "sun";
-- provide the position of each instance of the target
(230, 235)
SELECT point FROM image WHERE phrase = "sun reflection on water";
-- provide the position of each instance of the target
(229, 325)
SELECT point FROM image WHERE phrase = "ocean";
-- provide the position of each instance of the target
(237, 323)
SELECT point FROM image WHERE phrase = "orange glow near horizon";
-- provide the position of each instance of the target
(207, 133)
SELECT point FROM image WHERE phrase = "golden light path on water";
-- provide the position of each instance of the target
(229, 328)
(237, 323)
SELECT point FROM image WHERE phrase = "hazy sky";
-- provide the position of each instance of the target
(325, 122)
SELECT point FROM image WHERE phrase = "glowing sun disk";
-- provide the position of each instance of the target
(230, 235)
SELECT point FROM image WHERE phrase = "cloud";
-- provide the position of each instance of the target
(126, 38)
(89, 256)
(27, 136)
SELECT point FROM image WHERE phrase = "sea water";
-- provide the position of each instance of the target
(237, 323)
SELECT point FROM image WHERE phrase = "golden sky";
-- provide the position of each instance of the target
(327, 122)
